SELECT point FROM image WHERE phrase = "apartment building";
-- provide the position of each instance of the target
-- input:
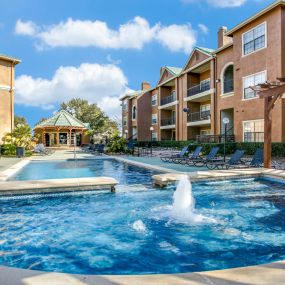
(7, 71)
(215, 84)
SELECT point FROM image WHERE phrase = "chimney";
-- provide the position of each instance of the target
(222, 39)
(145, 86)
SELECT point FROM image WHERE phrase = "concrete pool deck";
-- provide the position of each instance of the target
(266, 274)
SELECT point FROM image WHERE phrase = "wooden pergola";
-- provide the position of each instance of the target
(270, 92)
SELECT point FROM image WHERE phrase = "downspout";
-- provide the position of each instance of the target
(215, 95)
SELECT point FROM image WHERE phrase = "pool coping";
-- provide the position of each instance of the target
(265, 274)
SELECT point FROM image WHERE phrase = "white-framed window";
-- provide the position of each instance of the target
(252, 80)
(228, 79)
(154, 136)
(254, 39)
(154, 100)
(134, 112)
(205, 85)
(124, 121)
(154, 119)
(205, 132)
(205, 108)
(205, 112)
(125, 104)
(253, 131)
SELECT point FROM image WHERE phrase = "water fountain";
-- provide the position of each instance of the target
(183, 207)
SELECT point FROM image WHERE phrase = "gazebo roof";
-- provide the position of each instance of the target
(62, 119)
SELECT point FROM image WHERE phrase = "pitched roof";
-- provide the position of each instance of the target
(209, 51)
(132, 94)
(174, 70)
(62, 119)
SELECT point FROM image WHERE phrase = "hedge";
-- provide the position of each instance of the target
(278, 149)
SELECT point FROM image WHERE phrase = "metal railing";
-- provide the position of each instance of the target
(169, 99)
(167, 122)
(228, 86)
(214, 138)
(199, 88)
(199, 116)
(254, 136)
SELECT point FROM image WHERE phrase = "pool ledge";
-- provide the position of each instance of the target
(169, 178)
(57, 185)
(267, 274)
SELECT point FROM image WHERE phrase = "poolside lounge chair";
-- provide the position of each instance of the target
(41, 149)
(232, 162)
(256, 161)
(210, 157)
(181, 154)
(192, 156)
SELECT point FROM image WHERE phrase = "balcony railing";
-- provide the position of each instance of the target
(214, 138)
(169, 99)
(199, 116)
(254, 136)
(167, 122)
(228, 86)
(205, 86)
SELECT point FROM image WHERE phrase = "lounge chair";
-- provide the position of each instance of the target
(256, 161)
(211, 156)
(232, 162)
(41, 149)
(192, 156)
(181, 154)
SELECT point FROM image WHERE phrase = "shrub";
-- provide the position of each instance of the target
(8, 149)
(117, 144)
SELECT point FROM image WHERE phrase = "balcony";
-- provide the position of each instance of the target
(205, 86)
(253, 137)
(169, 99)
(165, 123)
(199, 118)
(214, 138)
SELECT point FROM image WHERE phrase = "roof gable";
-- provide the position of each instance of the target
(62, 119)
(168, 72)
(198, 55)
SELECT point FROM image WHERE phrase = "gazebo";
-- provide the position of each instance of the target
(61, 130)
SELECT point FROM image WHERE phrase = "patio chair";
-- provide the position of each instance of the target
(210, 157)
(181, 154)
(256, 161)
(192, 156)
(100, 149)
(232, 162)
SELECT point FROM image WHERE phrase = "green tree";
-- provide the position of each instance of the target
(20, 120)
(20, 136)
(99, 122)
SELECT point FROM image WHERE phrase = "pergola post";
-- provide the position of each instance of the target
(267, 133)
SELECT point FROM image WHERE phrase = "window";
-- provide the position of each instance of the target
(228, 79)
(124, 121)
(205, 112)
(205, 108)
(205, 85)
(252, 80)
(205, 132)
(134, 112)
(254, 39)
(154, 136)
(253, 131)
(154, 100)
(154, 119)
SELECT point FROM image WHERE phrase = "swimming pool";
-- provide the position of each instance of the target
(125, 173)
(132, 231)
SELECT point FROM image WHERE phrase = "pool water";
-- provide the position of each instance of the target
(123, 172)
(132, 231)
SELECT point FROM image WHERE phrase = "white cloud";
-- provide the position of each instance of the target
(84, 33)
(113, 61)
(25, 28)
(101, 84)
(203, 28)
(177, 37)
(218, 3)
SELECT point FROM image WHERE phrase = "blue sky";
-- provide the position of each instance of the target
(77, 48)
